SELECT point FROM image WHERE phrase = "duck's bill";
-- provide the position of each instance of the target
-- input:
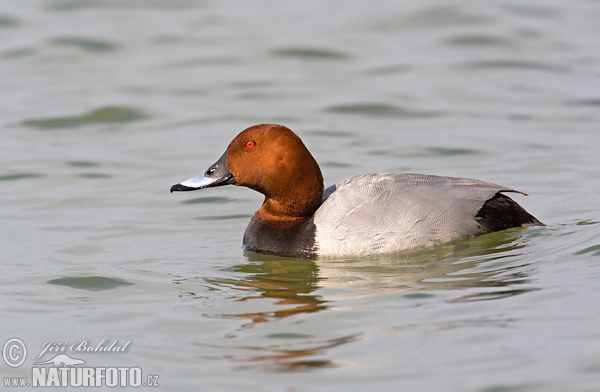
(200, 182)
(216, 175)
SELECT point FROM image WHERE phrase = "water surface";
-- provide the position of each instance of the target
(106, 104)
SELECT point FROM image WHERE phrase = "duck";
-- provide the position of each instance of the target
(369, 214)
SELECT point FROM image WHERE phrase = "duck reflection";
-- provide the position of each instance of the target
(486, 262)
(485, 268)
(288, 281)
(489, 261)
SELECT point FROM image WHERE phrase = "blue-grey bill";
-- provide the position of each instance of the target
(195, 183)
(216, 175)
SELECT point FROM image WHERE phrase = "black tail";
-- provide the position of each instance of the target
(501, 213)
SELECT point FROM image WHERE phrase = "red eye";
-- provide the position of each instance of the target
(250, 144)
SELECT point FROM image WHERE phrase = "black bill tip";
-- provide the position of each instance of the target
(181, 188)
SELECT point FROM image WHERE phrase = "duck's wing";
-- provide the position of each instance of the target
(383, 213)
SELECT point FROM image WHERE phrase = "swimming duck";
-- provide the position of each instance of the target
(364, 215)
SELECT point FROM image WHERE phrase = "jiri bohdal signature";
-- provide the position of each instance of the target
(105, 345)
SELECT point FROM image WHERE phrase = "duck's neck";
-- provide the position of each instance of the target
(292, 204)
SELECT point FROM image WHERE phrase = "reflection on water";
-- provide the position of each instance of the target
(482, 262)
(283, 358)
(290, 282)
(486, 268)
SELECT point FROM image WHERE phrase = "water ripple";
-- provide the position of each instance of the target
(90, 283)
(8, 22)
(310, 53)
(224, 217)
(594, 250)
(105, 115)
(478, 40)
(382, 110)
(83, 164)
(208, 200)
(94, 175)
(585, 102)
(425, 152)
(23, 176)
(87, 44)
(515, 64)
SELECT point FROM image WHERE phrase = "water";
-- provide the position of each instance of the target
(106, 104)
